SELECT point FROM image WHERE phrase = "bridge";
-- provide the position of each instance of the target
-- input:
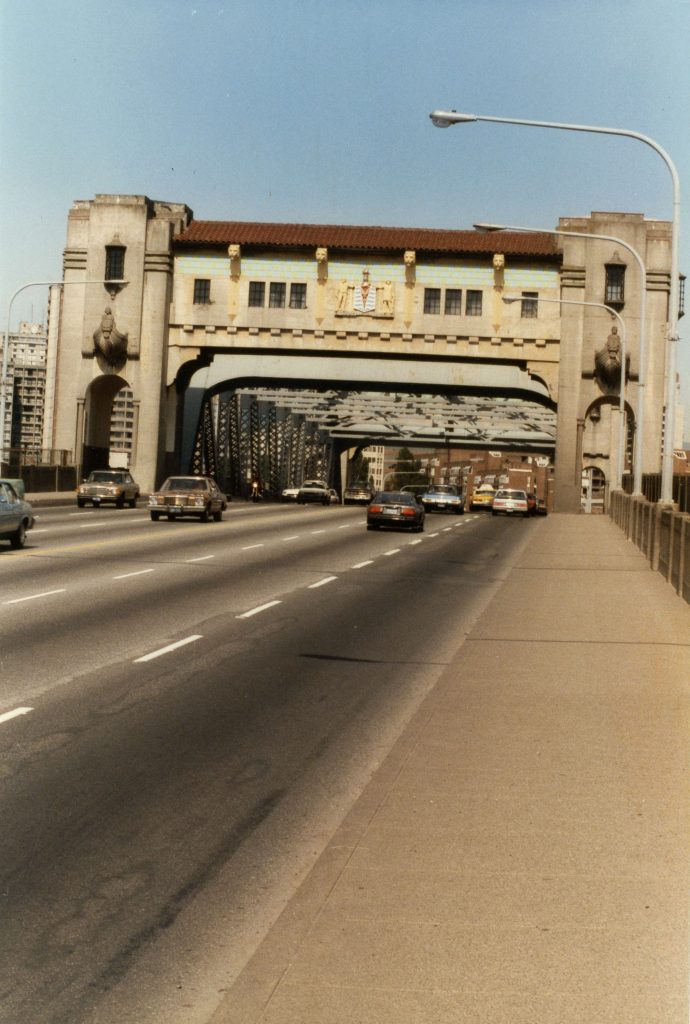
(233, 336)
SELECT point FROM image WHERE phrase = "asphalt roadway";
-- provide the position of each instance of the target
(521, 857)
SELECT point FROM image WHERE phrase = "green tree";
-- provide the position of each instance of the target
(405, 470)
(359, 469)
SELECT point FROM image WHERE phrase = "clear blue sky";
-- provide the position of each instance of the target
(317, 111)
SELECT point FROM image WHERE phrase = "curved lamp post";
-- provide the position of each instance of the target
(637, 471)
(599, 305)
(4, 382)
(446, 118)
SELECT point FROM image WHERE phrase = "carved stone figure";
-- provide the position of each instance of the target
(110, 344)
(387, 298)
(607, 362)
(341, 299)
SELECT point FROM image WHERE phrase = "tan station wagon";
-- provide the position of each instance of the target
(114, 486)
(188, 496)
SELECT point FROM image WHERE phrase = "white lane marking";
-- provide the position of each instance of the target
(126, 575)
(170, 647)
(33, 597)
(432, 534)
(255, 611)
(394, 551)
(321, 583)
(201, 558)
(360, 565)
(447, 529)
(347, 526)
(91, 526)
(317, 531)
(294, 537)
(44, 530)
(418, 541)
(14, 714)
(91, 513)
(249, 547)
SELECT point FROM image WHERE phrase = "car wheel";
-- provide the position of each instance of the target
(205, 516)
(18, 538)
(155, 516)
(217, 516)
(171, 517)
(133, 502)
(120, 502)
(372, 526)
(80, 502)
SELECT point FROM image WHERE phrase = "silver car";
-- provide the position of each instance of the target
(16, 515)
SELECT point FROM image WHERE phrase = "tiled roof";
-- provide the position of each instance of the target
(351, 237)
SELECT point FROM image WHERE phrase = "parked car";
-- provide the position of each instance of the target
(16, 515)
(289, 494)
(357, 493)
(443, 498)
(482, 498)
(510, 502)
(532, 503)
(395, 508)
(108, 485)
(335, 500)
(188, 496)
(314, 491)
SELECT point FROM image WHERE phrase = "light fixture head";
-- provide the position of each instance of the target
(445, 118)
(486, 229)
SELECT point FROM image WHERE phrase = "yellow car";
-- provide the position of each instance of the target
(483, 498)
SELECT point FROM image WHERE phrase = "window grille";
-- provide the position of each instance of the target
(257, 292)
(453, 303)
(276, 295)
(615, 284)
(114, 263)
(432, 300)
(473, 303)
(298, 296)
(529, 307)
(202, 291)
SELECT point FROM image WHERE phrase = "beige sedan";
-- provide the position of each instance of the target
(114, 486)
(188, 496)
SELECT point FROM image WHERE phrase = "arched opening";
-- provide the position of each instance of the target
(593, 490)
(98, 413)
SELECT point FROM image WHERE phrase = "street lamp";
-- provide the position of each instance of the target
(642, 378)
(446, 118)
(618, 479)
(4, 381)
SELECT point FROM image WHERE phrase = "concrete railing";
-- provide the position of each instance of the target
(660, 532)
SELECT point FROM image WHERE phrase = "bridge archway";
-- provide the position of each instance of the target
(96, 421)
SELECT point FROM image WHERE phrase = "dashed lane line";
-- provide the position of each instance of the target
(14, 714)
(170, 647)
(322, 583)
(360, 565)
(259, 608)
(34, 597)
(126, 575)
(201, 558)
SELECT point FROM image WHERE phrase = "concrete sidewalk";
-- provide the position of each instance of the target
(521, 857)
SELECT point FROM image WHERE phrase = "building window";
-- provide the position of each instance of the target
(432, 300)
(529, 307)
(298, 296)
(257, 292)
(114, 263)
(202, 291)
(473, 303)
(453, 303)
(615, 284)
(276, 295)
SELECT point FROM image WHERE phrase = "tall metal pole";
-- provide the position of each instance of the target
(446, 118)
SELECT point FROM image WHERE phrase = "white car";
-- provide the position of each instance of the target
(510, 502)
(289, 494)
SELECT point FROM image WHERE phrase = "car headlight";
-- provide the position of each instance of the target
(198, 499)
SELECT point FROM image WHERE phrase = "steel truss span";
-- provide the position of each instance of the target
(281, 436)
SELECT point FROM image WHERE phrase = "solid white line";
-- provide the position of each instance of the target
(46, 593)
(255, 611)
(360, 565)
(126, 575)
(394, 551)
(250, 546)
(14, 714)
(321, 583)
(201, 558)
(170, 647)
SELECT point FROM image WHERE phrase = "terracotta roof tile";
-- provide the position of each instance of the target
(353, 237)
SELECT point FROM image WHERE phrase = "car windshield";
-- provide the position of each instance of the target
(442, 489)
(184, 483)
(104, 477)
(511, 494)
